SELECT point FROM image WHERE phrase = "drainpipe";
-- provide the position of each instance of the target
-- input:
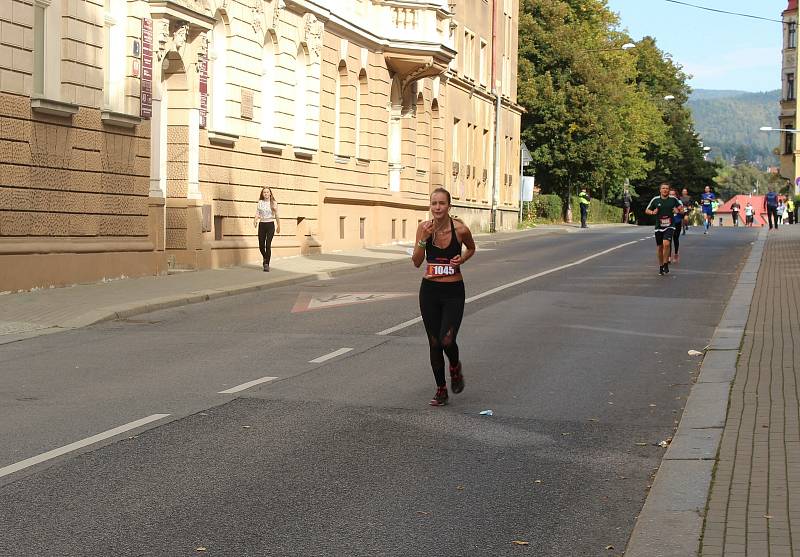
(496, 92)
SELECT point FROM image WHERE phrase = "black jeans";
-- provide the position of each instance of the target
(442, 308)
(584, 214)
(772, 215)
(266, 231)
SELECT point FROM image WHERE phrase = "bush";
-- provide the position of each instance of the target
(547, 207)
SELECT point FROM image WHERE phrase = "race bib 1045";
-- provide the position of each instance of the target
(436, 270)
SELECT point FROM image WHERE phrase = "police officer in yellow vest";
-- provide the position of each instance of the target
(583, 200)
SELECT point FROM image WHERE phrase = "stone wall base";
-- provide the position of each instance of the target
(43, 270)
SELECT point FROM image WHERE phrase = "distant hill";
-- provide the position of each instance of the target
(706, 94)
(728, 122)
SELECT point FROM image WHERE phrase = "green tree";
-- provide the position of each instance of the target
(743, 179)
(677, 156)
(587, 122)
(596, 115)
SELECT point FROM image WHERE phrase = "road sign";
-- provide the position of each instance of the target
(310, 302)
(526, 155)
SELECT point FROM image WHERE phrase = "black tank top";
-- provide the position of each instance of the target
(435, 254)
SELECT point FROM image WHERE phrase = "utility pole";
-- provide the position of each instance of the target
(496, 92)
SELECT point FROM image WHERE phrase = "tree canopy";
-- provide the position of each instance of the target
(595, 114)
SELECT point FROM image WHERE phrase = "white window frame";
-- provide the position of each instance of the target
(301, 84)
(268, 67)
(218, 57)
(47, 49)
(115, 55)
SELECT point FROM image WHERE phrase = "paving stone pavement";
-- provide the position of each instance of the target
(754, 504)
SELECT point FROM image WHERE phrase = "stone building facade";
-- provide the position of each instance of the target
(135, 136)
(789, 74)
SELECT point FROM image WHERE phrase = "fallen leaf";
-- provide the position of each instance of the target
(537, 481)
(566, 433)
(694, 353)
(767, 516)
(640, 444)
(520, 542)
(594, 419)
(609, 547)
(652, 406)
(460, 488)
(200, 549)
(246, 427)
(423, 513)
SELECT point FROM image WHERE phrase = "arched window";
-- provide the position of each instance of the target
(218, 56)
(268, 88)
(362, 108)
(340, 94)
(114, 75)
(300, 94)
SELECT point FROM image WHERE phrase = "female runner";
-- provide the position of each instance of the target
(441, 295)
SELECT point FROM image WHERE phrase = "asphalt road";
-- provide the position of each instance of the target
(585, 368)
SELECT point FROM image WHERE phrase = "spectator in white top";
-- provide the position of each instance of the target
(268, 223)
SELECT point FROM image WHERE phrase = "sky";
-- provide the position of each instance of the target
(720, 51)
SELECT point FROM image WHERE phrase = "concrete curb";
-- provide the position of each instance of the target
(671, 521)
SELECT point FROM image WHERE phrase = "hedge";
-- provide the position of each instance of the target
(598, 211)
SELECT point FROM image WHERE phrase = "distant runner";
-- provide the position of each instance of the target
(664, 208)
(688, 205)
(441, 294)
(706, 201)
(735, 207)
(677, 220)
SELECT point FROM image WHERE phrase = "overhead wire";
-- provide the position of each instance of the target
(739, 14)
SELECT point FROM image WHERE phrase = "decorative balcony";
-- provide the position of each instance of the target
(417, 35)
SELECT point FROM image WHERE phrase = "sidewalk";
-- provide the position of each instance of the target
(28, 314)
(729, 483)
(754, 506)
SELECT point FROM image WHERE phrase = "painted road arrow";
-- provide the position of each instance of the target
(309, 302)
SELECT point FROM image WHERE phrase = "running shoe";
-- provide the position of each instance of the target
(440, 398)
(666, 268)
(456, 378)
(661, 270)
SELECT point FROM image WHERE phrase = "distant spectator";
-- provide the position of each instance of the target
(583, 201)
(781, 211)
(790, 209)
(626, 205)
(748, 214)
(771, 208)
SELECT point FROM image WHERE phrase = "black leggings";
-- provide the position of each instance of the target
(676, 238)
(442, 308)
(266, 231)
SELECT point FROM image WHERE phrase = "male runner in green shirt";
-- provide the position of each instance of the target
(664, 207)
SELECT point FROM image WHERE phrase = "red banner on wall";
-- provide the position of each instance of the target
(146, 90)
(203, 91)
